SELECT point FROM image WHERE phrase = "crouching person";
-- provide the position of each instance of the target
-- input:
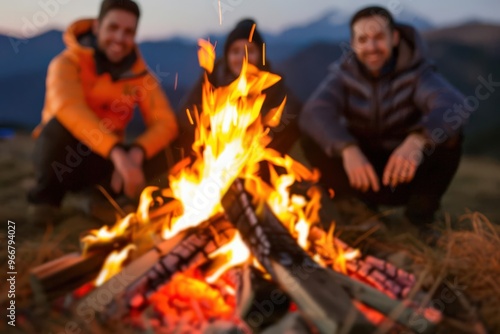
(378, 127)
(92, 88)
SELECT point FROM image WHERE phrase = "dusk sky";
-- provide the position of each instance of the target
(197, 18)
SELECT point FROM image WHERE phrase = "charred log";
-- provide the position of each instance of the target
(322, 301)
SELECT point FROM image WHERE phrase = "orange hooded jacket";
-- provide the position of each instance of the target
(96, 109)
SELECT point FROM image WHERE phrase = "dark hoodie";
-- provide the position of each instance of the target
(352, 107)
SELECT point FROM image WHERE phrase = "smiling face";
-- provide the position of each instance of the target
(372, 41)
(116, 34)
(236, 53)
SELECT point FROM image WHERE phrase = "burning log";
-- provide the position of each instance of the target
(193, 251)
(322, 301)
(260, 302)
(299, 276)
(376, 272)
(61, 276)
(117, 284)
(382, 275)
(155, 268)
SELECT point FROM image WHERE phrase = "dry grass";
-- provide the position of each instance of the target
(467, 258)
(472, 256)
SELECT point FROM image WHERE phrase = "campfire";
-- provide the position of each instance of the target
(224, 245)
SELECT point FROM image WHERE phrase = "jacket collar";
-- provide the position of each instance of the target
(81, 42)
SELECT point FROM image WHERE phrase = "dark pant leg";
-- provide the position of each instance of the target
(431, 181)
(333, 175)
(63, 164)
(422, 196)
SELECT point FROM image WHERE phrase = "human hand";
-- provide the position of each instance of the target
(116, 181)
(136, 155)
(403, 162)
(359, 170)
(131, 177)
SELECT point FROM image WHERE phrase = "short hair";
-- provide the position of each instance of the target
(370, 12)
(127, 5)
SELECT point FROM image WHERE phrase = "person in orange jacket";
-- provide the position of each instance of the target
(92, 88)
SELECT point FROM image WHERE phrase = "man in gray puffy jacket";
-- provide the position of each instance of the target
(381, 127)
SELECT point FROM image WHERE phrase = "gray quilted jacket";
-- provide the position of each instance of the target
(351, 106)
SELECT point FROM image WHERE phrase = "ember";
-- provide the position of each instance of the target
(188, 298)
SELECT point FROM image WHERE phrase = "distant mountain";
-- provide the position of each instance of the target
(333, 26)
(28, 55)
(302, 54)
(472, 33)
(465, 54)
(304, 70)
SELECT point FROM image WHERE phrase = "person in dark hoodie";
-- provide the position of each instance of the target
(378, 127)
(242, 39)
(92, 89)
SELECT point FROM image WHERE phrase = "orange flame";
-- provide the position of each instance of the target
(230, 141)
(113, 264)
(235, 252)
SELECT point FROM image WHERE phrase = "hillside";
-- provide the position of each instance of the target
(473, 33)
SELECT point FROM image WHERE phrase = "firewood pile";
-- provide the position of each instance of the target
(165, 289)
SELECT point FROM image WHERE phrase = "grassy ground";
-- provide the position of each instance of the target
(476, 187)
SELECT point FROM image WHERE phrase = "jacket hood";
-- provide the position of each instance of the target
(82, 49)
(72, 34)
(411, 51)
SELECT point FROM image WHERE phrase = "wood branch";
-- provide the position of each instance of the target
(322, 301)
(106, 246)
(58, 277)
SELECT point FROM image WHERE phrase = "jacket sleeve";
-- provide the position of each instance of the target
(64, 95)
(322, 117)
(159, 118)
(436, 98)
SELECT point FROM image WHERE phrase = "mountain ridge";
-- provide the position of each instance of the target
(462, 53)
